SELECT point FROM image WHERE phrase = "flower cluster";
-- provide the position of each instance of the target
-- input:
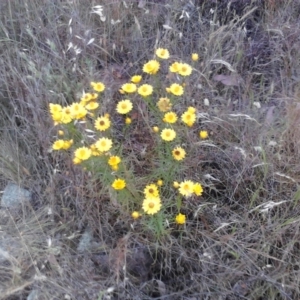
(152, 202)
(87, 134)
(188, 188)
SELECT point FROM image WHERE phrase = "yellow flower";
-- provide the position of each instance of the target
(188, 118)
(186, 188)
(191, 110)
(170, 117)
(98, 86)
(155, 129)
(114, 160)
(168, 134)
(145, 90)
(102, 123)
(60, 132)
(119, 184)
(95, 151)
(159, 182)
(178, 153)
(103, 144)
(135, 215)
(151, 205)
(94, 96)
(129, 87)
(203, 134)
(198, 190)
(136, 78)
(55, 108)
(151, 191)
(92, 105)
(76, 161)
(180, 219)
(77, 111)
(83, 153)
(185, 70)
(58, 145)
(176, 89)
(176, 184)
(128, 121)
(151, 67)
(174, 68)
(164, 104)
(162, 53)
(67, 144)
(195, 56)
(66, 116)
(124, 107)
(86, 98)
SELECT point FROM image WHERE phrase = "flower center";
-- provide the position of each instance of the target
(151, 205)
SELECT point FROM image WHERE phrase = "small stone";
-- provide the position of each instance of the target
(13, 195)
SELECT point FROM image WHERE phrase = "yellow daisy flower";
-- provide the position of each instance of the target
(66, 116)
(67, 144)
(94, 96)
(170, 117)
(119, 184)
(191, 110)
(186, 188)
(124, 107)
(176, 89)
(180, 219)
(162, 53)
(145, 90)
(164, 104)
(76, 161)
(203, 134)
(102, 123)
(92, 105)
(151, 205)
(83, 153)
(198, 189)
(86, 98)
(136, 78)
(135, 215)
(168, 134)
(58, 145)
(128, 121)
(151, 191)
(178, 153)
(159, 182)
(129, 88)
(176, 184)
(95, 151)
(98, 86)
(151, 67)
(103, 144)
(77, 111)
(185, 70)
(55, 108)
(188, 118)
(174, 68)
(114, 160)
(155, 129)
(195, 56)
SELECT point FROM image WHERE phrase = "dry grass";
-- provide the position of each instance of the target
(241, 241)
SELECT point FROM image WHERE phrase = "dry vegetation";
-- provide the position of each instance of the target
(241, 240)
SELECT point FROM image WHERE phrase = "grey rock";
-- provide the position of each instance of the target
(13, 196)
(34, 295)
(85, 242)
